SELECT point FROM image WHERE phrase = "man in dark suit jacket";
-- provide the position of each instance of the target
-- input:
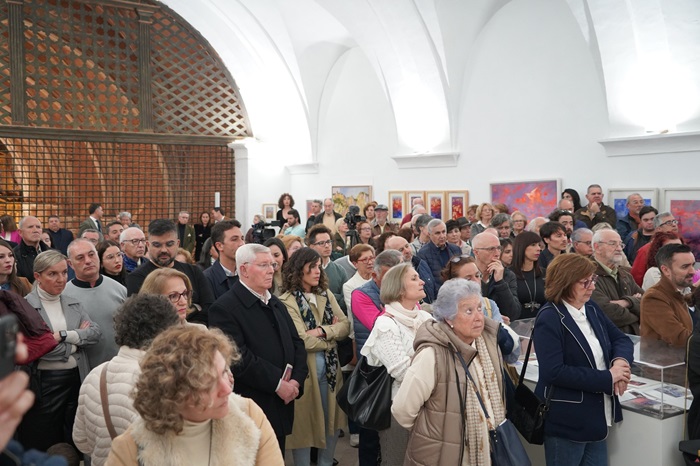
(226, 237)
(266, 338)
(185, 232)
(93, 221)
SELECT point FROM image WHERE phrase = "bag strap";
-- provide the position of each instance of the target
(687, 368)
(463, 407)
(527, 354)
(105, 403)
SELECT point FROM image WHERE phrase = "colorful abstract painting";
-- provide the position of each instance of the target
(532, 198)
(397, 205)
(435, 204)
(309, 208)
(617, 199)
(457, 203)
(344, 196)
(686, 212)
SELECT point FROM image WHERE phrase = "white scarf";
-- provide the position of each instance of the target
(412, 319)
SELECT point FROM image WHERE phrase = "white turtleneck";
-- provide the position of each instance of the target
(57, 321)
(196, 441)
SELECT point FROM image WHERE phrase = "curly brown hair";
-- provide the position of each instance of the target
(293, 271)
(280, 202)
(178, 368)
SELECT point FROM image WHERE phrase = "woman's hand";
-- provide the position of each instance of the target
(620, 388)
(620, 373)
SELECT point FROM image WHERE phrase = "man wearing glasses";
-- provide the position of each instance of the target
(162, 249)
(582, 242)
(100, 296)
(437, 252)
(266, 337)
(133, 244)
(616, 292)
(319, 239)
(497, 282)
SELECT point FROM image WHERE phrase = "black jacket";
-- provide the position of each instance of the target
(25, 255)
(268, 341)
(219, 281)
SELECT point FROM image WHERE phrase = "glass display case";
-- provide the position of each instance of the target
(657, 387)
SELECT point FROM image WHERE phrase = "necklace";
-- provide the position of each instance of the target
(532, 304)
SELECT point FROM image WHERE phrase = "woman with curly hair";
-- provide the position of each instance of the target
(285, 203)
(189, 413)
(136, 323)
(320, 323)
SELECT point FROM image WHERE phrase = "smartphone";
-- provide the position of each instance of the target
(287, 376)
(8, 343)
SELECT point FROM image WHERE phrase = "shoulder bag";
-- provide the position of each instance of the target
(366, 396)
(506, 448)
(105, 402)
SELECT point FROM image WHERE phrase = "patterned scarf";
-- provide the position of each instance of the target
(484, 374)
(310, 321)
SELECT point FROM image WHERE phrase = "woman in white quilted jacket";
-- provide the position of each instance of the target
(137, 322)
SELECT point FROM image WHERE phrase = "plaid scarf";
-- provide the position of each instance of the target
(310, 321)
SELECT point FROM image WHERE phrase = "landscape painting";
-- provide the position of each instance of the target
(344, 196)
(532, 198)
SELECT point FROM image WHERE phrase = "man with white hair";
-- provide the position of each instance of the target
(631, 221)
(100, 296)
(615, 291)
(133, 243)
(417, 208)
(437, 252)
(582, 242)
(29, 247)
(497, 282)
(265, 335)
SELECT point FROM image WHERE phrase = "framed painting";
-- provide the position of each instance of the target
(397, 205)
(309, 208)
(684, 204)
(435, 204)
(410, 196)
(617, 198)
(533, 198)
(456, 204)
(344, 196)
(269, 211)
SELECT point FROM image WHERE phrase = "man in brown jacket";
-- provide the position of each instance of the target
(615, 291)
(664, 312)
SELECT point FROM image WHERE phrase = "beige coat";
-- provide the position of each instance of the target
(308, 430)
(243, 438)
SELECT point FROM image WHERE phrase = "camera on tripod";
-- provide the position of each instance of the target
(262, 233)
(353, 217)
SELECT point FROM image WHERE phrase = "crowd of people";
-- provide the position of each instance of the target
(191, 341)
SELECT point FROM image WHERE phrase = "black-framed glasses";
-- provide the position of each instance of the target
(323, 243)
(136, 241)
(669, 222)
(175, 297)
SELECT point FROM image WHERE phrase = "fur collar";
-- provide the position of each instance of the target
(236, 440)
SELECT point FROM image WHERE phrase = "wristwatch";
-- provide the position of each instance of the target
(63, 334)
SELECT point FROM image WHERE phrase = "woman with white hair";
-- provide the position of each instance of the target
(438, 400)
(390, 344)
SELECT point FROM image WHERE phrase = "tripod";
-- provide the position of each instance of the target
(351, 239)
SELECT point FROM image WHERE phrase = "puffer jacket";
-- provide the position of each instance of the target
(90, 432)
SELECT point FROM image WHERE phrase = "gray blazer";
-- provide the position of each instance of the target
(75, 316)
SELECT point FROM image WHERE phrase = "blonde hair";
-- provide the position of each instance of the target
(481, 208)
(178, 368)
(155, 282)
(392, 283)
(289, 239)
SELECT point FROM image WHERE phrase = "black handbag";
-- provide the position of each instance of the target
(345, 351)
(506, 448)
(366, 396)
(528, 412)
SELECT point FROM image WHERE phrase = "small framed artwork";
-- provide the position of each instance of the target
(617, 198)
(456, 204)
(269, 211)
(435, 203)
(397, 205)
(344, 196)
(309, 208)
(411, 196)
(684, 204)
(533, 198)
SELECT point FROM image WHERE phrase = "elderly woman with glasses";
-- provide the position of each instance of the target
(456, 358)
(584, 365)
(321, 324)
(189, 414)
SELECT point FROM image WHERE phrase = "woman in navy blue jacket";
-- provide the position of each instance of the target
(584, 359)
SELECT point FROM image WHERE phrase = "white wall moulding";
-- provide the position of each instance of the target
(303, 169)
(430, 160)
(652, 144)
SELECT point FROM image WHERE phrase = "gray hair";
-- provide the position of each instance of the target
(21, 222)
(416, 208)
(182, 212)
(124, 214)
(422, 220)
(598, 234)
(127, 232)
(451, 293)
(247, 254)
(434, 223)
(92, 230)
(533, 223)
(76, 242)
(578, 234)
(392, 283)
(629, 198)
(317, 201)
(601, 226)
(387, 258)
(500, 219)
(659, 219)
(47, 259)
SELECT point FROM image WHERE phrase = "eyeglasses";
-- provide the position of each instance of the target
(168, 244)
(587, 243)
(135, 242)
(323, 243)
(266, 265)
(614, 244)
(366, 229)
(589, 281)
(366, 259)
(175, 297)
(669, 222)
(491, 249)
(113, 256)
